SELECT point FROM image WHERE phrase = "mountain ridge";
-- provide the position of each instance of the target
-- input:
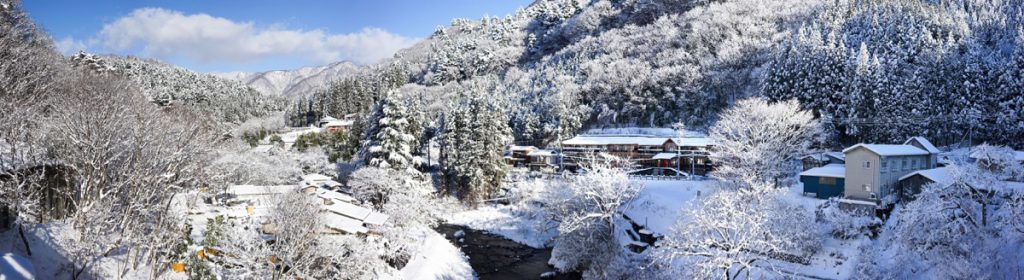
(294, 82)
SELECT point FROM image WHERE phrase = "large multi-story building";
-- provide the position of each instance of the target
(689, 154)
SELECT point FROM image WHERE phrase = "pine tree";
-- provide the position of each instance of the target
(389, 133)
(475, 135)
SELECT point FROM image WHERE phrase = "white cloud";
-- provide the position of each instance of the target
(68, 46)
(207, 39)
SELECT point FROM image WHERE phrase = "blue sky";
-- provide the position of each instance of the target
(253, 35)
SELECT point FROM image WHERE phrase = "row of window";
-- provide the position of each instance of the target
(898, 164)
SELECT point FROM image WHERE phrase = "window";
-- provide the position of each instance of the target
(884, 163)
(867, 187)
(826, 180)
(904, 164)
(867, 165)
(913, 163)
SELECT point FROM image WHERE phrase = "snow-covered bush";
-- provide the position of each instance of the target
(589, 210)
(729, 232)
(999, 160)
(844, 223)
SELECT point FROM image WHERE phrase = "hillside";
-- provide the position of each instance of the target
(561, 65)
(296, 82)
(165, 84)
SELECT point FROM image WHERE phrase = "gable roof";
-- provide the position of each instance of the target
(939, 175)
(927, 145)
(889, 150)
(831, 170)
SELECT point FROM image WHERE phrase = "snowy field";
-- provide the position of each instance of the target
(658, 208)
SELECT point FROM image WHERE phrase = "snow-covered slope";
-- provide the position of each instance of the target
(297, 82)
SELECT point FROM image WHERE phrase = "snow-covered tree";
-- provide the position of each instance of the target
(475, 135)
(589, 210)
(390, 141)
(950, 231)
(730, 233)
(758, 141)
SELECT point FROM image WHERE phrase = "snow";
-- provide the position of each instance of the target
(316, 178)
(251, 190)
(342, 223)
(525, 226)
(348, 209)
(939, 175)
(437, 258)
(540, 153)
(15, 267)
(642, 140)
(831, 170)
(333, 195)
(1018, 155)
(694, 141)
(665, 156)
(890, 150)
(616, 140)
(521, 148)
(659, 205)
(925, 143)
(336, 123)
(376, 218)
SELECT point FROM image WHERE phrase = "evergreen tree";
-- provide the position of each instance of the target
(390, 141)
(475, 135)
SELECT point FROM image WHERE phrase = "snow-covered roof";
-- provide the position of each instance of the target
(328, 194)
(665, 156)
(250, 190)
(540, 153)
(939, 175)
(824, 156)
(348, 209)
(927, 145)
(857, 201)
(837, 155)
(327, 118)
(831, 170)
(337, 123)
(521, 148)
(889, 150)
(376, 218)
(342, 223)
(15, 267)
(615, 140)
(316, 178)
(694, 141)
(1018, 155)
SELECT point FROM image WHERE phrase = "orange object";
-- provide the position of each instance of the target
(178, 267)
(201, 254)
(250, 209)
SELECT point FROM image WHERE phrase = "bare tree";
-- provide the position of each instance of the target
(760, 141)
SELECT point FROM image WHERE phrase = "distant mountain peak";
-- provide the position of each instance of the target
(296, 82)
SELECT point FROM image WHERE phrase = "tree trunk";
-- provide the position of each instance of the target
(21, 232)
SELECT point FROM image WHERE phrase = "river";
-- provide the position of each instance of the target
(498, 258)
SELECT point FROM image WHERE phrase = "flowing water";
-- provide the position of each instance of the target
(496, 257)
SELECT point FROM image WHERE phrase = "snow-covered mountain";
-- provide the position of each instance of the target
(296, 82)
